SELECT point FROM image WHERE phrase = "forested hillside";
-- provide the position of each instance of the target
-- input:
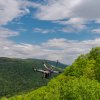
(17, 76)
(80, 81)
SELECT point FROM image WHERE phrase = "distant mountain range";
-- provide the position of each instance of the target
(16, 75)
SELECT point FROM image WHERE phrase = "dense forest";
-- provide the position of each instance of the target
(17, 76)
(80, 81)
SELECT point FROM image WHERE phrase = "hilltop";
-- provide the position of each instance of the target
(17, 76)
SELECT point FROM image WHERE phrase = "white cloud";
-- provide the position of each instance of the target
(11, 9)
(73, 13)
(97, 21)
(56, 9)
(55, 43)
(74, 23)
(88, 9)
(5, 33)
(63, 9)
(97, 31)
(68, 50)
(44, 31)
(69, 29)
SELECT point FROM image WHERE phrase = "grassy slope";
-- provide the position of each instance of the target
(16, 75)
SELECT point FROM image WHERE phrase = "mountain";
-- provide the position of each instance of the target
(80, 81)
(49, 62)
(17, 76)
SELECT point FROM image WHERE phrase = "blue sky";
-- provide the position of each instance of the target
(49, 29)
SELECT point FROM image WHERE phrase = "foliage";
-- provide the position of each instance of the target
(65, 88)
(86, 65)
(16, 75)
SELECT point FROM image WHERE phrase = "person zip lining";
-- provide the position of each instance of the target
(47, 72)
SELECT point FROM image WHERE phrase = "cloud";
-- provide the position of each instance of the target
(55, 43)
(56, 9)
(68, 50)
(73, 13)
(96, 31)
(44, 31)
(5, 33)
(22, 29)
(62, 49)
(64, 9)
(11, 9)
(74, 23)
(88, 9)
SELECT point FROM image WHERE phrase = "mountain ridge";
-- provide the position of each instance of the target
(16, 75)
